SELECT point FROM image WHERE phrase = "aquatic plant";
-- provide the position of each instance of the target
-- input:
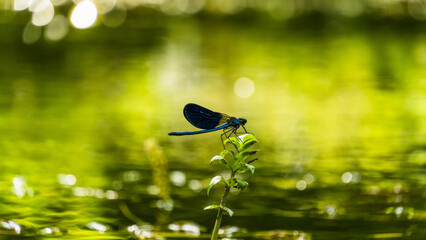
(239, 160)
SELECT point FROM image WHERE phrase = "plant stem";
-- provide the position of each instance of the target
(217, 224)
(220, 211)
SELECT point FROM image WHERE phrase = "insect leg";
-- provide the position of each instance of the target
(232, 130)
(244, 128)
(235, 133)
(225, 131)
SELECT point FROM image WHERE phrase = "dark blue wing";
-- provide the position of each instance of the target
(202, 117)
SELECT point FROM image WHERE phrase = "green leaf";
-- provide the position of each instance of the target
(245, 167)
(237, 166)
(243, 155)
(250, 167)
(242, 184)
(211, 207)
(225, 152)
(215, 181)
(237, 183)
(249, 137)
(218, 159)
(232, 182)
(228, 210)
(249, 140)
(233, 141)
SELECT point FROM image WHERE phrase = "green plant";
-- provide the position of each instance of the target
(237, 161)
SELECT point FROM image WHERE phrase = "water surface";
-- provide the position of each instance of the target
(339, 110)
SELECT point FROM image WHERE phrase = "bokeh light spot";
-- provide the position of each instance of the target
(57, 29)
(373, 190)
(194, 6)
(356, 177)
(117, 185)
(397, 188)
(43, 12)
(111, 194)
(31, 34)
(244, 87)
(84, 15)
(78, 191)
(178, 178)
(167, 205)
(330, 210)
(230, 7)
(131, 176)
(58, 2)
(46, 231)
(346, 177)
(38, 5)
(67, 179)
(11, 225)
(21, 4)
(97, 226)
(398, 211)
(70, 179)
(301, 185)
(195, 185)
(309, 178)
(153, 190)
(115, 17)
(19, 186)
(105, 6)
(99, 193)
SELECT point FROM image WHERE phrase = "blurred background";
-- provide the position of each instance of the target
(334, 90)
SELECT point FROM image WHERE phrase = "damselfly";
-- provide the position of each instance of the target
(210, 121)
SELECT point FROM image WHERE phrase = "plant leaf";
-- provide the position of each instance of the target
(228, 210)
(250, 167)
(249, 140)
(232, 182)
(237, 165)
(249, 137)
(211, 207)
(233, 141)
(243, 155)
(245, 167)
(242, 184)
(237, 183)
(215, 181)
(224, 152)
(218, 159)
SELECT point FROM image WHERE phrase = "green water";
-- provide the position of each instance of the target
(339, 109)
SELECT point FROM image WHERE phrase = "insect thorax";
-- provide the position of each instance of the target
(232, 121)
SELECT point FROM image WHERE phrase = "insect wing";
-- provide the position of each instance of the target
(224, 118)
(202, 117)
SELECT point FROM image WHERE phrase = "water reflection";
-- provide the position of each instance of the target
(143, 232)
(20, 187)
(97, 226)
(67, 179)
(340, 121)
(11, 225)
(190, 228)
